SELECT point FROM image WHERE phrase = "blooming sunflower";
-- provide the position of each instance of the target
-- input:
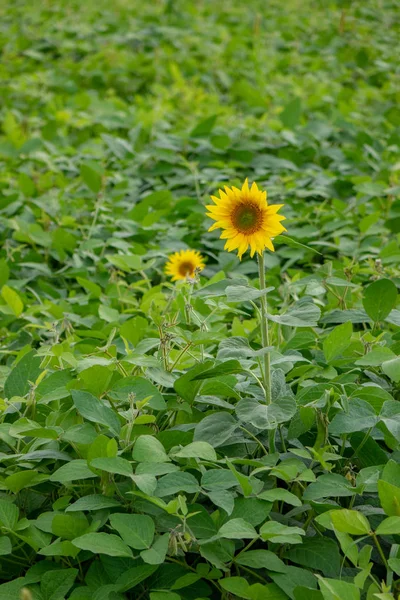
(246, 219)
(184, 264)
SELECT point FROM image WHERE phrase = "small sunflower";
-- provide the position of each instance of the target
(184, 264)
(246, 219)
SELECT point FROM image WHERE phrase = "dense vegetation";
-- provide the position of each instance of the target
(138, 457)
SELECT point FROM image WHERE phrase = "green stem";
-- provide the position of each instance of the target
(379, 547)
(265, 331)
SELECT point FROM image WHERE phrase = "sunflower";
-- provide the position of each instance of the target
(246, 219)
(184, 264)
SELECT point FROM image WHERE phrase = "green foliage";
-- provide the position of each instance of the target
(138, 458)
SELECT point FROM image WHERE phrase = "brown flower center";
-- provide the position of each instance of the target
(186, 268)
(247, 218)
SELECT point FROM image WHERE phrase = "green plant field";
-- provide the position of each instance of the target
(140, 457)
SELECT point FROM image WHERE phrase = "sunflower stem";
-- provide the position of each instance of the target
(264, 331)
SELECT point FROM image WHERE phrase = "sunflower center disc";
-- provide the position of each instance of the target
(186, 268)
(247, 218)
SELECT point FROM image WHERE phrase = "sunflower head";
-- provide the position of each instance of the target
(246, 219)
(184, 264)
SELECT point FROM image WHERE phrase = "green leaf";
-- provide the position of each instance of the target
(23, 479)
(350, 521)
(103, 543)
(333, 589)
(12, 299)
(390, 526)
(95, 410)
(93, 502)
(359, 416)
(281, 534)
(72, 471)
(265, 416)
(131, 578)
(5, 545)
(375, 357)
(389, 496)
(317, 553)
(202, 450)
(379, 299)
(136, 530)
(156, 554)
(391, 368)
(113, 464)
(328, 485)
(172, 483)
(226, 368)
(8, 514)
(337, 341)
(280, 494)
(69, 526)
(55, 584)
(148, 449)
(237, 529)
(261, 559)
(291, 114)
(142, 389)
(4, 272)
(26, 371)
(92, 176)
(243, 293)
(204, 128)
(394, 564)
(215, 429)
(304, 313)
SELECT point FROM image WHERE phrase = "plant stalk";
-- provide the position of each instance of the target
(264, 331)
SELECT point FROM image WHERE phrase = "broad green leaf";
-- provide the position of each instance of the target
(173, 483)
(142, 390)
(264, 416)
(72, 471)
(8, 514)
(5, 545)
(280, 494)
(95, 410)
(333, 589)
(103, 543)
(215, 429)
(69, 526)
(130, 578)
(390, 526)
(304, 313)
(92, 176)
(317, 553)
(237, 529)
(113, 464)
(201, 450)
(389, 496)
(24, 479)
(350, 521)
(136, 530)
(156, 554)
(261, 559)
(12, 299)
(93, 502)
(391, 368)
(148, 449)
(55, 584)
(281, 534)
(24, 373)
(379, 299)
(359, 417)
(337, 341)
